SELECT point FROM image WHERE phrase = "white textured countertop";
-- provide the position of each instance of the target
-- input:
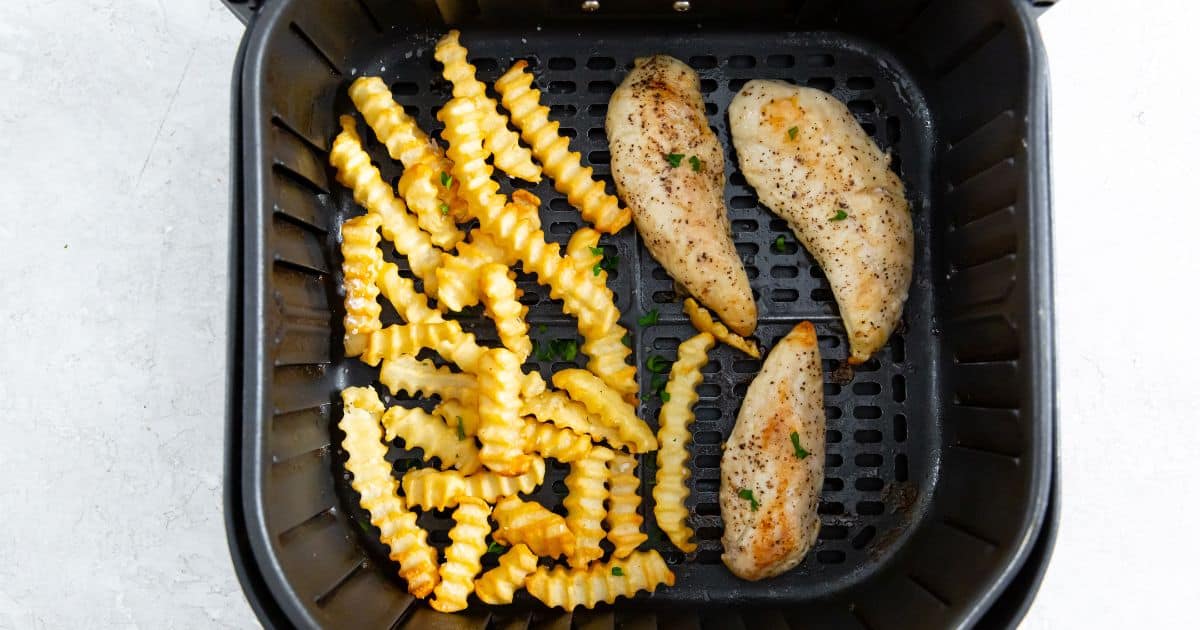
(114, 140)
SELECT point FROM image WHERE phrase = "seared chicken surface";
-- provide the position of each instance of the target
(773, 466)
(668, 168)
(812, 164)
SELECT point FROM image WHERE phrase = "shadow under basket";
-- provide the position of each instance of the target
(936, 509)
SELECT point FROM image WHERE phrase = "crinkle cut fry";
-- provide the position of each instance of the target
(624, 521)
(445, 338)
(508, 224)
(553, 150)
(674, 422)
(504, 146)
(500, 584)
(431, 489)
(500, 295)
(362, 262)
(356, 172)
(554, 442)
(463, 555)
(376, 487)
(600, 581)
(556, 408)
(608, 405)
(607, 352)
(402, 293)
(420, 155)
(420, 429)
(458, 277)
(586, 494)
(500, 422)
(530, 523)
(703, 321)
(414, 377)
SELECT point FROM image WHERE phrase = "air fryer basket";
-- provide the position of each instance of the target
(939, 448)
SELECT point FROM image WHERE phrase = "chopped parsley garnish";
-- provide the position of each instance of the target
(800, 452)
(657, 364)
(541, 329)
(748, 495)
(618, 572)
(444, 208)
(627, 340)
(792, 131)
(649, 319)
(608, 263)
(496, 548)
(543, 353)
(656, 389)
(697, 164)
(840, 216)
(674, 159)
(665, 396)
(566, 348)
(597, 251)
(780, 244)
(446, 179)
(462, 435)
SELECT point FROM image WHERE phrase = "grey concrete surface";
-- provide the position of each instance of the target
(114, 134)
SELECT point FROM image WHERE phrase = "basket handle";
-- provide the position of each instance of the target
(243, 9)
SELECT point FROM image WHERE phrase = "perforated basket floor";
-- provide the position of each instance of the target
(878, 414)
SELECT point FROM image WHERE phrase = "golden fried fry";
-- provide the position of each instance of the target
(498, 585)
(624, 522)
(431, 489)
(606, 403)
(670, 488)
(419, 186)
(507, 153)
(445, 338)
(458, 277)
(361, 264)
(600, 582)
(406, 374)
(456, 413)
(419, 429)
(355, 171)
(530, 523)
(556, 408)
(466, 548)
(500, 421)
(586, 493)
(704, 322)
(500, 299)
(572, 179)
(412, 306)
(377, 491)
(607, 352)
(553, 442)
(509, 224)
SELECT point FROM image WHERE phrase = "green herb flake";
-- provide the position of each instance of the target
(596, 251)
(840, 216)
(665, 396)
(780, 244)
(627, 340)
(543, 352)
(569, 349)
(649, 319)
(697, 163)
(596, 269)
(674, 159)
(657, 364)
(541, 329)
(446, 179)
(747, 494)
(444, 208)
(496, 548)
(656, 388)
(462, 434)
(617, 571)
(792, 131)
(800, 452)
(366, 527)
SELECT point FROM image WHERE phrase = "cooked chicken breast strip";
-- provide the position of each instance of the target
(812, 164)
(773, 466)
(668, 167)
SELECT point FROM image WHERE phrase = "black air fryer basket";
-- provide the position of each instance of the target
(939, 505)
